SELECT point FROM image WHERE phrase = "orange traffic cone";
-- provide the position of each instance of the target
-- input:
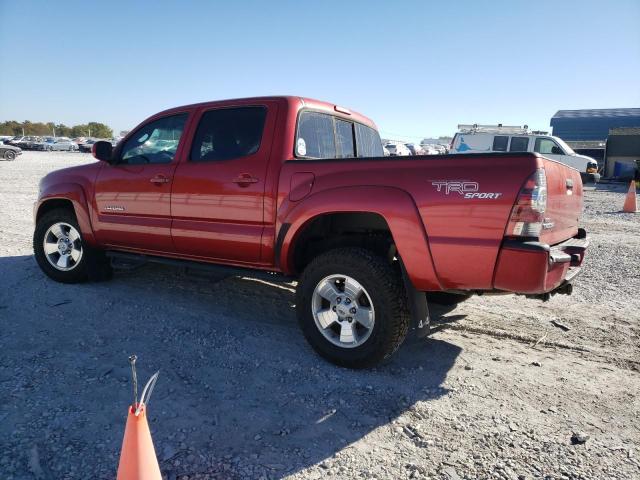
(630, 202)
(138, 458)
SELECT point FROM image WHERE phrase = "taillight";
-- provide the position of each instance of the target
(527, 214)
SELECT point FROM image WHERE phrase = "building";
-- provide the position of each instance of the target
(586, 131)
(592, 125)
(622, 156)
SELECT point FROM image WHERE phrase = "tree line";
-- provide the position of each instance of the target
(91, 129)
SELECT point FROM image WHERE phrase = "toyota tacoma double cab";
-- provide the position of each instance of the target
(301, 188)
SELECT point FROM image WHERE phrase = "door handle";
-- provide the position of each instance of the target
(244, 180)
(160, 179)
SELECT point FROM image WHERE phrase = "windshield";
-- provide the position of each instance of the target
(568, 150)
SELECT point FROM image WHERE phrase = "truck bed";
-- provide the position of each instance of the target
(464, 202)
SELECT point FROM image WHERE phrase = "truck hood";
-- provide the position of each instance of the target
(586, 157)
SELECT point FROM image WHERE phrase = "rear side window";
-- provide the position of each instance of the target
(228, 133)
(315, 136)
(344, 139)
(519, 144)
(368, 141)
(500, 143)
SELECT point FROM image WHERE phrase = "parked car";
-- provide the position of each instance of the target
(13, 141)
(498, 138)
(431, 149)
(23, 142)
(9, 152)
(269, 184)
(414, 149)
(397, 149)
(85, 147)
(61, 143)
(32, 143)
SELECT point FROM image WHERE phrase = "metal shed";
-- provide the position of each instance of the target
(623, 152)
(592, 124)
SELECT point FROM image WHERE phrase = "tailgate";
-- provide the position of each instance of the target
(564, 202)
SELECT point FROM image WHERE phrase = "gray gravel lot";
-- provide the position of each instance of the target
(496, 392)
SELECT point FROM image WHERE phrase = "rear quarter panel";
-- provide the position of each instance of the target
(463, 234)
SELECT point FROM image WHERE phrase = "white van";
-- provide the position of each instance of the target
(498, 138)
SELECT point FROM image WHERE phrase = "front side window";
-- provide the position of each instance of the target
(500, 143)
(368, 141)
(519, 144)
(155, 142)
(344, 139)
(228, 133)
(315, 136)
(546, 145)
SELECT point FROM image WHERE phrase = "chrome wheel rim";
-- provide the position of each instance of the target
(62, 246)
(343, 311)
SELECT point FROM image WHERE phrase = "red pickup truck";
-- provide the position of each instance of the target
(301, 187)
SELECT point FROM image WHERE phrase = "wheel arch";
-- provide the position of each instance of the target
(386, 212)
(70, 196)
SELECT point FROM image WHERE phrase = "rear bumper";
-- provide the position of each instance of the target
(537, 268)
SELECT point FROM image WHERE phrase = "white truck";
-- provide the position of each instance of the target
(498, 138)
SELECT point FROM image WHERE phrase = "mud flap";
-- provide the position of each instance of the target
(98, 265)
(418, 308)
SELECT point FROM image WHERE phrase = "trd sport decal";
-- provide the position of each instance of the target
(466, 189)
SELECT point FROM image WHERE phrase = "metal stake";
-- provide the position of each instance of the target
(132, 361)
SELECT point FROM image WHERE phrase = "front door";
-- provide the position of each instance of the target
(550, 149)
(133, 194)
(217, 201)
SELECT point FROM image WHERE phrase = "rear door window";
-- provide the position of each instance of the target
(228, 133)
(344, 139)
(368, 142)
(316, 137)
(500, 143)
(519, 144)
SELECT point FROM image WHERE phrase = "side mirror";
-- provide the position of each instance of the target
(557, 151)
(102, 151)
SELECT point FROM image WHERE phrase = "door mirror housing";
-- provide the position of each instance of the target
(102, 151)
(557, 151)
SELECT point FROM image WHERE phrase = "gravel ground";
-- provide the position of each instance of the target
(497, 391)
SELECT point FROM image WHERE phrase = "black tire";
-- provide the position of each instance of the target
(93, 265)
(384, 286)
(9, 155)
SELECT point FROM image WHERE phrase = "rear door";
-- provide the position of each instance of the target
(217, 200)
(133, 195)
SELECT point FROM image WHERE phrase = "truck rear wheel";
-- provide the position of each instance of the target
(352, 307)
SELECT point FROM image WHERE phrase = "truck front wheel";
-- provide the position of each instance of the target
(352, 307)
(61, 253)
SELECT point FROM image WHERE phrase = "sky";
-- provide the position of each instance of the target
(416, 68)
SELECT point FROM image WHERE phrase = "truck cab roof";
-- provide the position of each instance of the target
(292, 102)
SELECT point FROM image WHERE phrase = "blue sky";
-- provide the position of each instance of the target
(416, 68)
